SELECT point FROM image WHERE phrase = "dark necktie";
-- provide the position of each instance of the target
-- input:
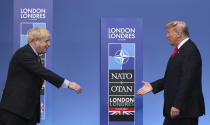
(175, 50)
(39, 59)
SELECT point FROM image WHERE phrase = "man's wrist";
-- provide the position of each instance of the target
(66, 83)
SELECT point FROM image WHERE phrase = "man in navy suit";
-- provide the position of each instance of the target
(183, 98)
(20, 103)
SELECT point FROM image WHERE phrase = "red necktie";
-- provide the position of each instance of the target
(175, 50)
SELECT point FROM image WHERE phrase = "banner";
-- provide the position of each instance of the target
(121, 71)
(29, 14)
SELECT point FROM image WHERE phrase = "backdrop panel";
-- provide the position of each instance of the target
(29, 14)
(121, 71)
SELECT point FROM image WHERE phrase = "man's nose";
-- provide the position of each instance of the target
(48, 43)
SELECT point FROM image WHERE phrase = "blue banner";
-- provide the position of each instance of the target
(29, 14)
(121, 71)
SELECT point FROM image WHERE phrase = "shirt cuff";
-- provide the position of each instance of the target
(65, 83)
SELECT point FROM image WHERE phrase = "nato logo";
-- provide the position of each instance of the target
(121, 56)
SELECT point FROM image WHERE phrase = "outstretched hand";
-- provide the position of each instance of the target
(145, 89)
(75, 86)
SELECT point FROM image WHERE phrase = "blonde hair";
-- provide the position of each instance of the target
(179, 27)
(38, 33)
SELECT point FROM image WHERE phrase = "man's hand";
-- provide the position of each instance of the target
(174, 112)
(145, 89)
(76, 87)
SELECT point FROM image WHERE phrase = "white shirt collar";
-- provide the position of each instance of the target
(34, 50)
(183, 42)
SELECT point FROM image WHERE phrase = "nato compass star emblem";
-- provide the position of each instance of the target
(121, 56)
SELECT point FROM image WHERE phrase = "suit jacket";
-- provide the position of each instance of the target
(182, 82)
(21, 94)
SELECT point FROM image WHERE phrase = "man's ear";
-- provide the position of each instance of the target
(179, 34)
(36, 41)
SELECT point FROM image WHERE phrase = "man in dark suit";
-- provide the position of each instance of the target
(20, 103)
(183, 98)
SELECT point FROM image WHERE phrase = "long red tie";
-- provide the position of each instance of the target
(175, 50)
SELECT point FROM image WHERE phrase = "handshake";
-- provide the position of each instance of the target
(75, 86)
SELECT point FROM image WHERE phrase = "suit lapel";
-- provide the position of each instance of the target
(38, 58)
(172, 58)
